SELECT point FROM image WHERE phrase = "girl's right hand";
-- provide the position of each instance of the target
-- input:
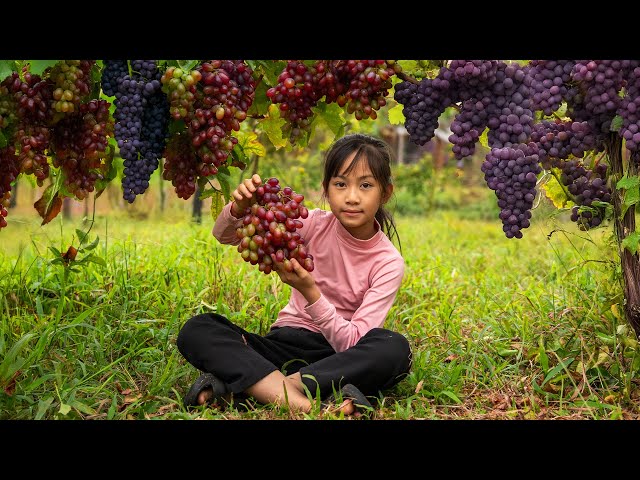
(243, 195)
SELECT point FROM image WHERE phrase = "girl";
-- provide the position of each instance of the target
(329, 337)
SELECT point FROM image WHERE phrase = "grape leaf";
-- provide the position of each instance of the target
(410, 67)
(248, 142)
(269, 69)
(39, 66)
(631, 194)
(616, 124)
(396, 117)
(261, 102)
(187, 65)
(3, 140)
(272, 126)
(628, 182)
(49, 205)
(6, 68)
(217, 204)
(224, 178)
(484, 139)
(332, 115)
(631, 242)
(554, 192)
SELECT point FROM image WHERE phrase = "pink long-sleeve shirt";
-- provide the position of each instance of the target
(358, 279)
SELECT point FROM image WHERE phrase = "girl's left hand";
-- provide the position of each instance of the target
(299, 278)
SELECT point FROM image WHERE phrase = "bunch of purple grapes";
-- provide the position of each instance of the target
(181, 165)
(9, 171)
(79, 142)
(268, 234)
(222, 99)
(512, 173)
(32, 99)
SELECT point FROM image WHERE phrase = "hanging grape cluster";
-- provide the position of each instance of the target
(141, 119)
(503, 98)
(359, 85)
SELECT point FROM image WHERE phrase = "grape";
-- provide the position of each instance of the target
(222, 97)
(359, 85)
(79, 143)
(269, 234)
(9, 171)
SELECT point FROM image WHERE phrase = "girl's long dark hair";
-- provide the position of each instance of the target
(378, 155)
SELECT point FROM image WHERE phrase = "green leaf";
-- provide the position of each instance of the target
(261, 102)
(272, 126)
(410, 67)
(82, 236)
(37, 67)
(224, 178)
(86, 409)
(542, 357)
(269, 69)
(188, 65)
(92, 245)
(484, 140)
(112, 409)
(248, 142)
(628, 182)
(555, 370)
(3, 140)
(630, 198)
(631, 194)
(452, 396)
(64, 409)
(43, 406)
(6, 68)
(616, 124)
(631, 241)
(554, 192)
(332, 115)
(9, 364)
(396, 117)
(217, 203)
(95, 259)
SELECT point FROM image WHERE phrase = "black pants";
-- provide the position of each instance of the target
(212, 343)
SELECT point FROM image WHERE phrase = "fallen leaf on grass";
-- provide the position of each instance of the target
(132, 398)
(10, 389)
(419, 386)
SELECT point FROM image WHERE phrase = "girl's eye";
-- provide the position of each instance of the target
(367, 185)
(339, 184)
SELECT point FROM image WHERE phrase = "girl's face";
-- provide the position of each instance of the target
(354, 198)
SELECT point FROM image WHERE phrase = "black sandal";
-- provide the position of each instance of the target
(353, 393)
(204, 381)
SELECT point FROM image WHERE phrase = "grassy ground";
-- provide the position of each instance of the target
(500, 329)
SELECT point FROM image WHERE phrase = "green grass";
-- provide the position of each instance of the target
(508, 329)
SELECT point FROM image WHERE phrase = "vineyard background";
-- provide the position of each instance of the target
(501, 328)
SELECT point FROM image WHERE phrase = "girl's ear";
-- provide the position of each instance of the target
(388, 193)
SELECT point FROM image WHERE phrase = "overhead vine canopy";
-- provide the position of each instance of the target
(63, 121)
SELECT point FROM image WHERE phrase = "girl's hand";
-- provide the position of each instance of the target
(299, 279)
(243, 195)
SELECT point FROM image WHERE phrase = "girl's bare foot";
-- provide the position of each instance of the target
(205, 396)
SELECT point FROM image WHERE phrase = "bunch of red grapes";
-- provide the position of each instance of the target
(268, 234)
